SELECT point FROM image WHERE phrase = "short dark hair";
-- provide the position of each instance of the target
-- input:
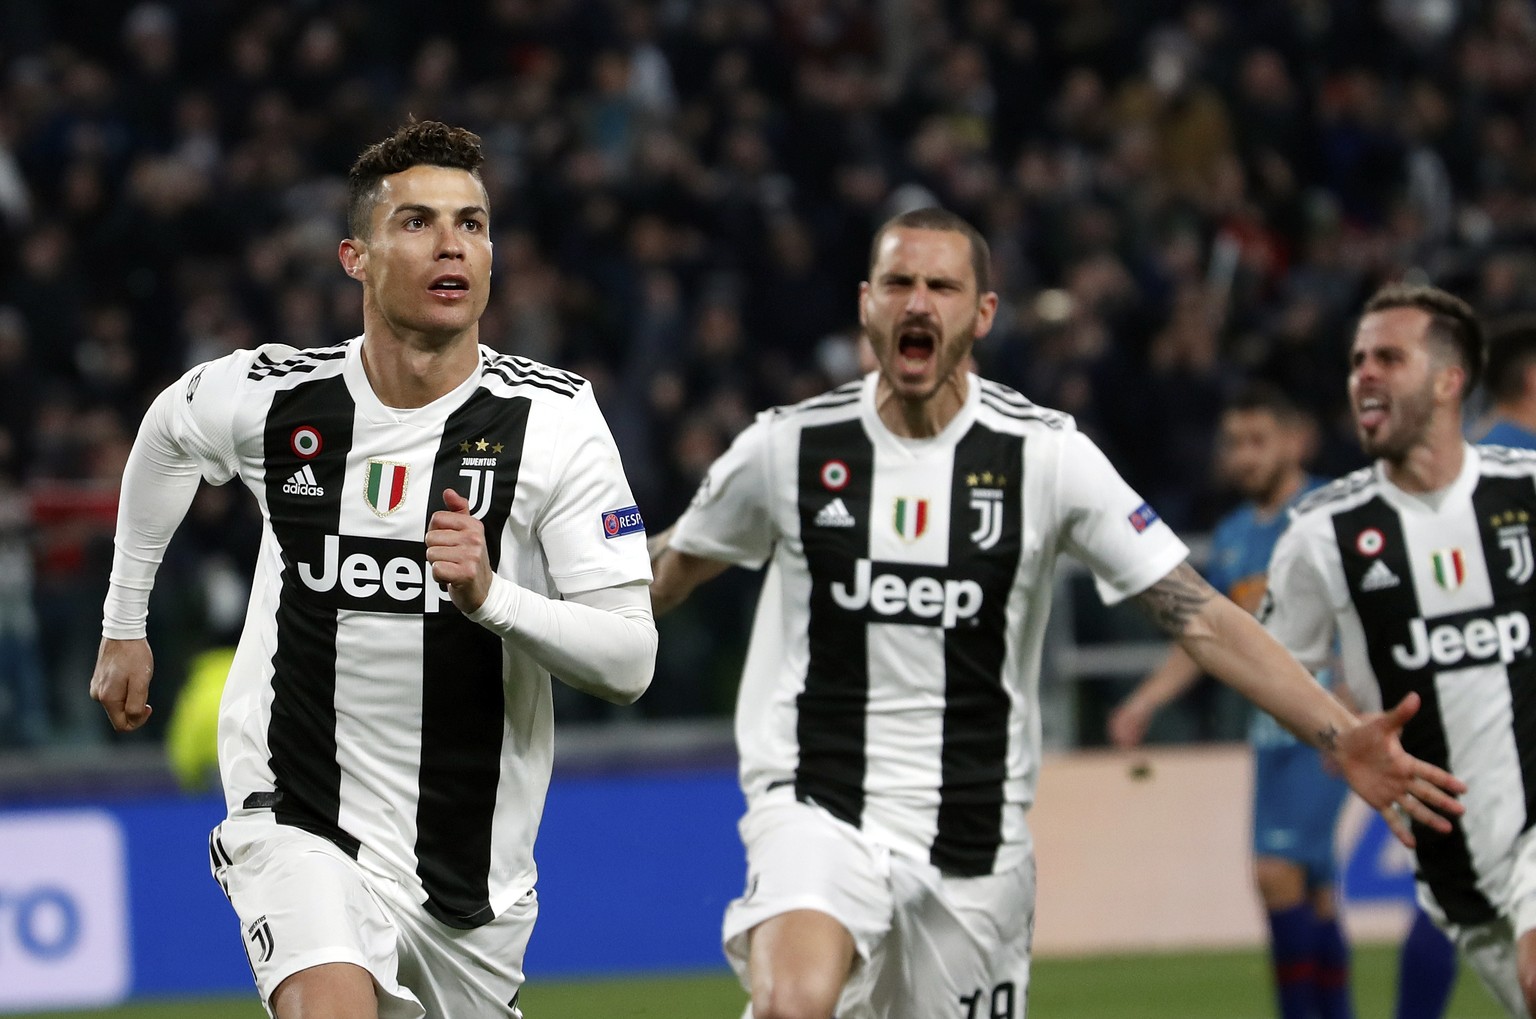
(935, 218)
(1451, 321)
(418, 143)
(1511, 350)
(1259, 395)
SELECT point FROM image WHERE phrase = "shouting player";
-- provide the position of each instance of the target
(888, 719)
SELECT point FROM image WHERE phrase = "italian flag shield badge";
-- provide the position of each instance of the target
(1450, 568)
(385, 490)
(911, 518)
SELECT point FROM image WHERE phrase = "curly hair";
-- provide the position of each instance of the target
(1451, 321)
(418, 143)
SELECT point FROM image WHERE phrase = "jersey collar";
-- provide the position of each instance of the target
(374, 410)
(883, 437)
(1431, 502)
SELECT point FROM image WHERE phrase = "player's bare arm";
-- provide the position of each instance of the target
(676, 573)
(1176, 599)
(1231, 645)
(120, 682)
(1171, 603)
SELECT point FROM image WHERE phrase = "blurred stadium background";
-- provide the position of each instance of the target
(1181, 195)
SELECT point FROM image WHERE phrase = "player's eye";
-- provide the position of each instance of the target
(415, 223)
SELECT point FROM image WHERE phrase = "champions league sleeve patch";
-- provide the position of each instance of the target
(619, 522)
(1142, 517)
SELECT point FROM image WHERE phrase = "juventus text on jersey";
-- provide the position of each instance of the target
(1432, 594)
(362, 705)
(893, 668)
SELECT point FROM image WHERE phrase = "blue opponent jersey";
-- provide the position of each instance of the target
(1503, 433)
(1240, 549)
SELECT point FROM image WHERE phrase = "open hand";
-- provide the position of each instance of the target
(1393, 781)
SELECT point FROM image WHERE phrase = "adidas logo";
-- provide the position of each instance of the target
(835, 514)
(303, 482)
(1378, 578)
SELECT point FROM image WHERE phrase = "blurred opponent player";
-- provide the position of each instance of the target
(444, 526)
(1264, 443)
(1511, 383)
(888, 719)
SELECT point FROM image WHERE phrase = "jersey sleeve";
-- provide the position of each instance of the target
(590, 528)
(730, 517)
(204, 402)
(187, 432)
(1297, 607)
(1108, 527)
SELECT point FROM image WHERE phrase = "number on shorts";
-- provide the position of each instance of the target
(1002, 1002)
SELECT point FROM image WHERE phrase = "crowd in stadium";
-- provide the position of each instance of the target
(1180, 197)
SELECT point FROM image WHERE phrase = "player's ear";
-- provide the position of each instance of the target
(353, 254)
(986, 313)
(1449, 382)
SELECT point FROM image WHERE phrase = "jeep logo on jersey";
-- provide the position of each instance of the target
(1462, 641)
(901, 593)
(385, 490)
(373, 575)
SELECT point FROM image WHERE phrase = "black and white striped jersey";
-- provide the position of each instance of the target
(1432, 594)
(894, 663)
(362, 705)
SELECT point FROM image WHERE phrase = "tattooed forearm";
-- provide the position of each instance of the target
(1328, 739)
(1173, 601)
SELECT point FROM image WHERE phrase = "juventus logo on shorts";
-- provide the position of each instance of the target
(260, 933)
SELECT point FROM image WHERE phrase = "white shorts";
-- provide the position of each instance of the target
(1491, 948)
(929, 946)
(303, 902)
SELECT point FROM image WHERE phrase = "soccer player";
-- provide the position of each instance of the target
(1296, 801)
(444, 527)
(888, 720)
(1511, 384)
(1422, 566)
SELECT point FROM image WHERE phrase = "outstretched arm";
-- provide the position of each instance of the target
(1231, 645)
(677, 573)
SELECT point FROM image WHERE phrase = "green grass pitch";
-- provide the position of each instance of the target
(1216, 985)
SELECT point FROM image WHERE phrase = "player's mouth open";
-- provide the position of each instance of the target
(915, 348)
(449, 286)
(1372, 411)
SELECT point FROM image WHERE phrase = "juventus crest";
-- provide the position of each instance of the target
(480, 479)
(988, 503)
(1516, 540)
(987, 500)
